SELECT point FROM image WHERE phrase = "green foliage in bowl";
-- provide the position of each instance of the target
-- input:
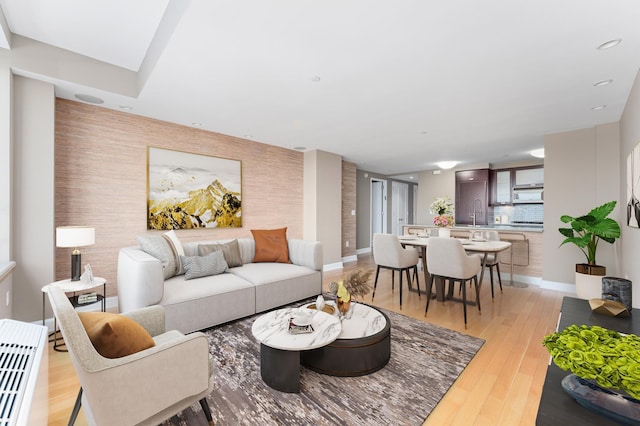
(596, 353)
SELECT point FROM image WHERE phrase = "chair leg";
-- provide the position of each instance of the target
(76, 408)
(429, 290)
(400, 273)
(207, 411)
(491, 277)
(475, 281)
(499, 279)
(375, 283)
(464, 301)
(393, 280)
(415, 273)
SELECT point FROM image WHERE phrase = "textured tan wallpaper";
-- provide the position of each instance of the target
(101, 181)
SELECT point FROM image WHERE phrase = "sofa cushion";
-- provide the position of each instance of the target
(178, 250)
(162, 249)
(203, 266)
(113, 335)
(230, 250)
(271, 245)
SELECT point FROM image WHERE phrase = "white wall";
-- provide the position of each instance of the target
(629, 138)
(6, 163)
(581, 171)
(323, 204)
(33, 194)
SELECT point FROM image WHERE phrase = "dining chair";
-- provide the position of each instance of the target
(492, 260)
(388, 253)
(447, 260)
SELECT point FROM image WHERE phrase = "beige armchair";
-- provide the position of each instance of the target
(146, 387)
(388, 253)
(447, 260)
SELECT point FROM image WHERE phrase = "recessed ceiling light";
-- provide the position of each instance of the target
(538, 153)
(447, 164)
(89, 98)
(603, 83)
(125, 107)
(609, 44)
(248, 136)
(196, 124)
(315, 79)
(599, 107)
(300, 148)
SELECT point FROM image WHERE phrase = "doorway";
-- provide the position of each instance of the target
(400, 207)
(378, 207)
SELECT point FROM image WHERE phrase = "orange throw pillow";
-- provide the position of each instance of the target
(115, 336)
(271, 245)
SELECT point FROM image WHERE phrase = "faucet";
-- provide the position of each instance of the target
(476, 212)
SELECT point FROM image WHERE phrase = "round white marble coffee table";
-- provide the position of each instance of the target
(280, 350)
(363, 346)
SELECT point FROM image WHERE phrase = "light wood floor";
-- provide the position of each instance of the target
(500, 386)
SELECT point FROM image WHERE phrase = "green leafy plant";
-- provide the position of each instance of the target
(596, 353)
(587, 231)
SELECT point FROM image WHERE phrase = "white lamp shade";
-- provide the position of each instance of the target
(75, 236)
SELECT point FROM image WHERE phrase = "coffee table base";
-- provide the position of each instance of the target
(351, 357)
(280, 369)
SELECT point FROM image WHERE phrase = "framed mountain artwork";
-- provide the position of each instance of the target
(186, 191)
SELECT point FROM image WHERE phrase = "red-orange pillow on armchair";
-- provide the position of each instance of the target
(271, 245)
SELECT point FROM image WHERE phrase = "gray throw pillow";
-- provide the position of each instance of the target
(203, 266)
(230, 250)
(159, 247)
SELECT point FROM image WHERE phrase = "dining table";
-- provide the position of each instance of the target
(480, 246)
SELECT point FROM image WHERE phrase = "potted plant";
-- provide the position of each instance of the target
(605, 366)
(585, 232)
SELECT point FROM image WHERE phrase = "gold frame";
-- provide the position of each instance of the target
(187, 190)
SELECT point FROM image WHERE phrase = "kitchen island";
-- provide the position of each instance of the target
(526, 244)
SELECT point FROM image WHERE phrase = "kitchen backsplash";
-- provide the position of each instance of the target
(518, 213)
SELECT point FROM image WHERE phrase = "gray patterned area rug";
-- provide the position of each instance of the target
(425, 361)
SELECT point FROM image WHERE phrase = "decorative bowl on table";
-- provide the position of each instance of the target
(302, 317)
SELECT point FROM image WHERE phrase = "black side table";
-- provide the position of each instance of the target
(556, 406)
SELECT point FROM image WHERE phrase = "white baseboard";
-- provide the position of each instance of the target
(348, 259)
(363, 250)
(557, 286)
(332, 266)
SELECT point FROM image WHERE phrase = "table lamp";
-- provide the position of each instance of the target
(75, 236)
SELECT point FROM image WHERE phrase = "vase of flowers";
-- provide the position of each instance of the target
(605, 366)
(443, 209)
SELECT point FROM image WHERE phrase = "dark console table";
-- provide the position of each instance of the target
(556, 406)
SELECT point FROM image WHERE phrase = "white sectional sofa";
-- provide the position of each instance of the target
(198, 303)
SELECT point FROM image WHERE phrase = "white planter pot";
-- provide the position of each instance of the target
(588, 286)
(444, 233)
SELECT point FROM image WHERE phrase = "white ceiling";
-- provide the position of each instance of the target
(393, 86)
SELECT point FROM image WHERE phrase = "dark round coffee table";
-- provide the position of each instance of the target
(363, 346)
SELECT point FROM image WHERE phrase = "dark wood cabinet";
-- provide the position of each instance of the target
(472, 196)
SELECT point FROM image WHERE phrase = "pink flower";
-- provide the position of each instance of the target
(443, 220)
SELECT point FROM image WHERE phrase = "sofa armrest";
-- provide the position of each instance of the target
(306, 253)
(140, 279)
(150, 318)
